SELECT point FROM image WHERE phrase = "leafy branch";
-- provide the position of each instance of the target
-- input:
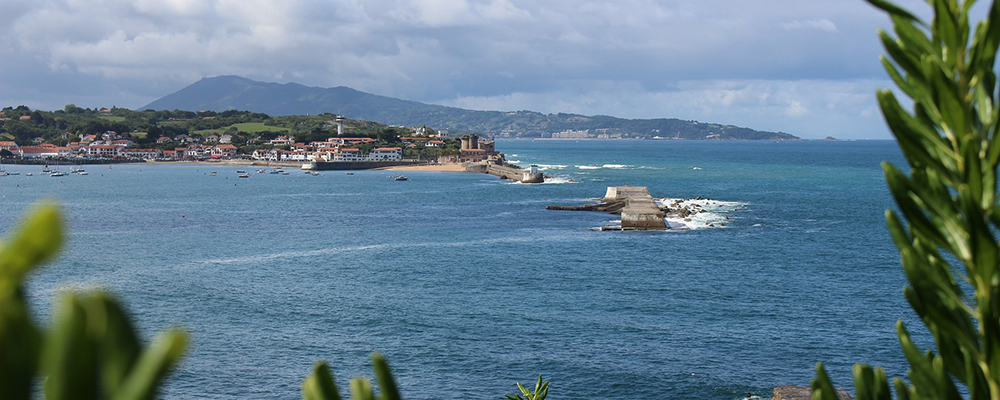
(946, 228)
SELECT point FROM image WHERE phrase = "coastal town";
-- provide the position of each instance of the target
(163, 141)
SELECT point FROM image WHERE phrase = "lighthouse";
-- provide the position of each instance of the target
(340, 126)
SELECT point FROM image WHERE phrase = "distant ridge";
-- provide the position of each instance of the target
(229, 92)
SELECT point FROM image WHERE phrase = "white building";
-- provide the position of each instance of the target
(349, 155)
(386, 154)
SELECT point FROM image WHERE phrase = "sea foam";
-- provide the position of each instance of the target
(704, 213)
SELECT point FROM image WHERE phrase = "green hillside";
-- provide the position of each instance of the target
(234, 93)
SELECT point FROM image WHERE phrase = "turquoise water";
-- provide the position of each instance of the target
(467, 284)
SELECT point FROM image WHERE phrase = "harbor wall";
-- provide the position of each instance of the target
(514, 173)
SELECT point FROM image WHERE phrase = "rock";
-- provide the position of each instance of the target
(791, 392)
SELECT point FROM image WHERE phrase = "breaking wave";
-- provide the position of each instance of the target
(698, 213)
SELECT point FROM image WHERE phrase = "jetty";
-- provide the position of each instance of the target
(635, 205)
(508, 171)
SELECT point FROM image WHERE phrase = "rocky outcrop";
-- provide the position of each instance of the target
(791, 392)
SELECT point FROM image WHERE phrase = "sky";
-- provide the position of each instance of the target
(809, 68)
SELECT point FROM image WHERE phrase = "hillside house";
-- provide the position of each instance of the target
(9, 146)
(349, 154)
(386, 154)
(103, 151)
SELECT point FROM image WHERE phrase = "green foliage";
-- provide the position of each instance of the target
(947, 225)
(541, 390)
(320, 385)
(92, 351)
(20, 339)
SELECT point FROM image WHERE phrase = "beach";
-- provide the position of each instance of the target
(428, 167)
(298, 164)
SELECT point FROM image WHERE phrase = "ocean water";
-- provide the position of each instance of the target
(467, 284)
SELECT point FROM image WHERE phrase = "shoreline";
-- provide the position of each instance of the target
(273, 164)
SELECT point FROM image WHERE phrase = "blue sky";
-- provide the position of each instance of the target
(809, 68)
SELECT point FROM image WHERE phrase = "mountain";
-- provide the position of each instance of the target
(235, 93)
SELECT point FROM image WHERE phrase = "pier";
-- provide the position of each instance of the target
(508, 171)
(636, 206)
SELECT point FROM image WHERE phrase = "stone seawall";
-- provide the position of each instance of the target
(514, 173)
(637, 208)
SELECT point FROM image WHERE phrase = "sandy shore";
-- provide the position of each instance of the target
(435, 167)
(298, 164)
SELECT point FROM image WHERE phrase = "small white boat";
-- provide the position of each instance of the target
(401, 178)
(58, 173)
(244, 175)
(82, 173)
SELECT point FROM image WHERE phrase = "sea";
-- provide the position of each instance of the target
(467, 284)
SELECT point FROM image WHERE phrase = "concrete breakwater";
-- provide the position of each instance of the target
(635, 205)
(508, 171)
(638, 209)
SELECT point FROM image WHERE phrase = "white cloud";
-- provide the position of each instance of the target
(810, 109)
(729, 61)
(821, 24)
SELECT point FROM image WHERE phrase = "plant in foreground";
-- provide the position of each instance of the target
(947, 225)
(541, 390)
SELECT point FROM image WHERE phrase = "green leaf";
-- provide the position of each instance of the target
(386, 384)
(119, 343)
(36, 241)
(893, 9)
(70, 354)
(361, 389)
(153, 365)
(822, 388)
(320, 385)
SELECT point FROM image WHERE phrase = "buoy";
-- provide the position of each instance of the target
(183, 216)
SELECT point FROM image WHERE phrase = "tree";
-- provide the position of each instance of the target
(948, 221)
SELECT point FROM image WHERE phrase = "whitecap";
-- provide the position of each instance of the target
(616, 166)
(549, 180)
(587, 167)
(713, 215)
(290, 254)
(544, 167)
